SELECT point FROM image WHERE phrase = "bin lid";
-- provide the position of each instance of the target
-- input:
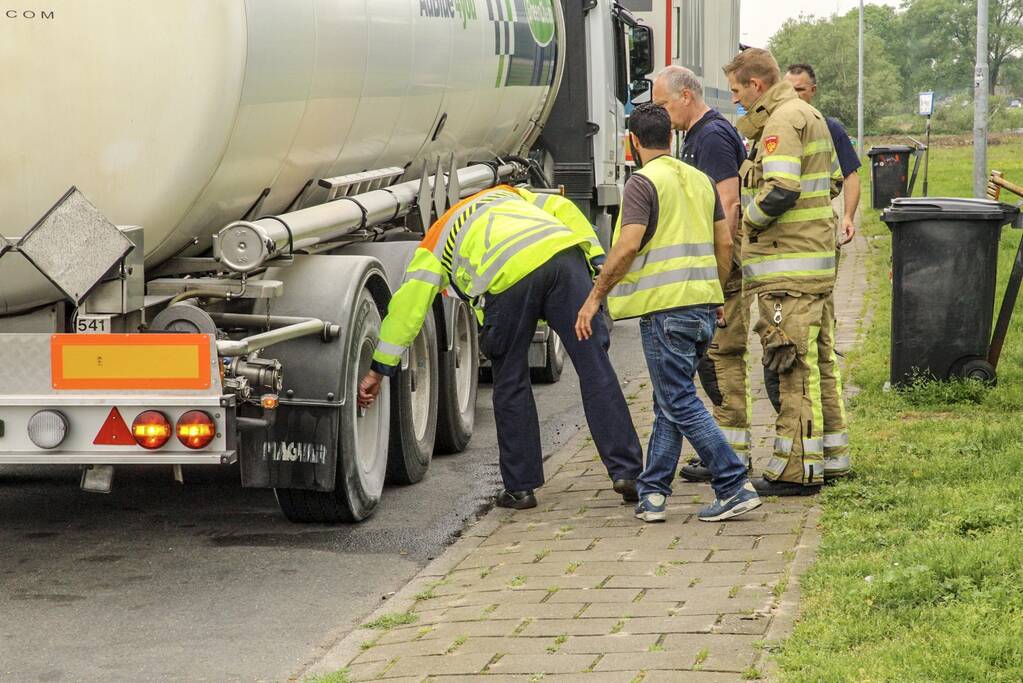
(905, 209)
(892, 149)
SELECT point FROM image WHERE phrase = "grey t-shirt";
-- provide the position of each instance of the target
(640, 207)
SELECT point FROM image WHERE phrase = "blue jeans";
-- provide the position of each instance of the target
(673, 343)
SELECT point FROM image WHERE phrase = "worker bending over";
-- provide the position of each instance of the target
(517, 258)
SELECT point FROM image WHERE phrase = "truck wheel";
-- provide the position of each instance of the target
(362, 439)
(414, 393)
(459, 380)
(550, 373)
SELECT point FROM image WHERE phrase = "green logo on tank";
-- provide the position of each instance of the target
(540, 15)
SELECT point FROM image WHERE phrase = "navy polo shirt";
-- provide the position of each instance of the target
(847, 158)
(713, 146)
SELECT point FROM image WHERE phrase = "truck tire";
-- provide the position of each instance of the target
(362, 439)
(459, 381)
(550, 373)
(414, 394)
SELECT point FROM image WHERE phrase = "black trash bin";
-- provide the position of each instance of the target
(889, 174)
(944, 265)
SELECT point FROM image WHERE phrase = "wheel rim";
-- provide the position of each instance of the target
(421, 385)
(370, 422)
(557, 346)
(464, 352)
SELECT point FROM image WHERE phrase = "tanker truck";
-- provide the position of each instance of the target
(207, 205)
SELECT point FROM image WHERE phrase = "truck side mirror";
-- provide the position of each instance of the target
(641, 52)
(639, 90)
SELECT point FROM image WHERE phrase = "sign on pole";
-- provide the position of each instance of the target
(926, 106)
(926, 103)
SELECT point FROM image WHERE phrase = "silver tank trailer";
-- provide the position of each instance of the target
(177, 116)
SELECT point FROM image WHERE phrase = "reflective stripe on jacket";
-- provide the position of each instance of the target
(565, 210)
(484, 244)
(788, 223)
(677, 266)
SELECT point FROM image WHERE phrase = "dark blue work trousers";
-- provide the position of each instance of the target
(553, 292)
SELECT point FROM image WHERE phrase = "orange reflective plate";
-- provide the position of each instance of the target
(130, 361)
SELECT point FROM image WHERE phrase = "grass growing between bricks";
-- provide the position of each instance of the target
(335, 677)
(919, 576)
(394, 620)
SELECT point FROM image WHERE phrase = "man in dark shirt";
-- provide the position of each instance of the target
(804, 80)
(713, 146)
(837, 461)
(641, 207)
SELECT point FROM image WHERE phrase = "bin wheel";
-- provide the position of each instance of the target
(975, 368)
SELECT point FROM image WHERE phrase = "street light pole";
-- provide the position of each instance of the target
(981, 78)
(859, 93)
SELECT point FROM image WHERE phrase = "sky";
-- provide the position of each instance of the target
(761, 18)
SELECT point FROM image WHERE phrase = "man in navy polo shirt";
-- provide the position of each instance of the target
(804, 80)
(837, 462)
(713, 146)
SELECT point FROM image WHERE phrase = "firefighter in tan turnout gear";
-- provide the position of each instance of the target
(788, 257)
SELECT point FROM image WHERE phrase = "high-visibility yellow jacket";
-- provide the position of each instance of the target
(484, 244)
(677, 266)
(788, 223)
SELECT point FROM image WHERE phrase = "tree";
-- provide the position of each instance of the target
(941, 42)
(830, 45)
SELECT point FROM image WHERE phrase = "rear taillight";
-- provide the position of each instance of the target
(196, 429)
(151, 429)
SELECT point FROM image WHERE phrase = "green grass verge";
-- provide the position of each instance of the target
(920, 571)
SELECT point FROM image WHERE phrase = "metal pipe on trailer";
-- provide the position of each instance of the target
(254, 321)
(246, 246)
(243, 347)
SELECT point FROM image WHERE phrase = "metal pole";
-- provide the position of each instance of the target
(927, 153)
(980, 91)
(859, 93)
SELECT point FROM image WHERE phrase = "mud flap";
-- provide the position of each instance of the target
(298, 451)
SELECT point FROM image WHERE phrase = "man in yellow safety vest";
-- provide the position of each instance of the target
(670, 257)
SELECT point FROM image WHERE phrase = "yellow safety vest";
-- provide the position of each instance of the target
(677, 266)
(483, 244)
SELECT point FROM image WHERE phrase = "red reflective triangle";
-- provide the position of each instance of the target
(114, 431)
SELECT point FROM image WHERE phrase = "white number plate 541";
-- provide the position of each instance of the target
(93, 324)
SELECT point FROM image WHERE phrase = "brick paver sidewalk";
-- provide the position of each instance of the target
(579, 590)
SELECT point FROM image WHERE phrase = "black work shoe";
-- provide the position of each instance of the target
(766, 487)
(517, 500)
(627, 489)
(696, 472)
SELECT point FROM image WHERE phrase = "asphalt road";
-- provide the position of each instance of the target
(207, 581)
